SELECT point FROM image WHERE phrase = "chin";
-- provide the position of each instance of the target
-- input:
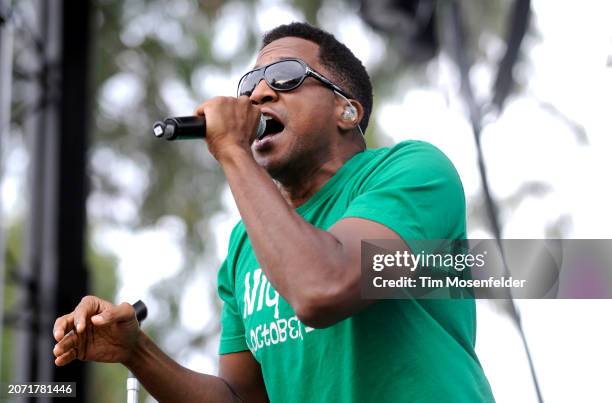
(274, 167)
(274, 160)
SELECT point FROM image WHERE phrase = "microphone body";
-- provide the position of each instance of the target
(190, 128)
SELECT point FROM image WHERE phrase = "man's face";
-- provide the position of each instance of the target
(307, 114)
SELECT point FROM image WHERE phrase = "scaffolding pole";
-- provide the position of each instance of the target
(6, 66)
(54, 275)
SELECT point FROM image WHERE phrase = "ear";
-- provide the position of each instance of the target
(344, 123)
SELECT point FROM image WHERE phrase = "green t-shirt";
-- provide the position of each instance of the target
(392, 351)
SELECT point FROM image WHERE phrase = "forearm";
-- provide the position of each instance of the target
(167, 381)
(303, 263)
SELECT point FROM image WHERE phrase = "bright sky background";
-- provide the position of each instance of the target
(570, 340)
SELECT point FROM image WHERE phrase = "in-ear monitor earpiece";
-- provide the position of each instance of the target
(349, 112)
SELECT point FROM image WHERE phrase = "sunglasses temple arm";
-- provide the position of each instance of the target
(325, 81)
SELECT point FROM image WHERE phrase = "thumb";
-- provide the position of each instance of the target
(119, 313)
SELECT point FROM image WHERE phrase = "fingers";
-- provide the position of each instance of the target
(66, 358)
(100, 312)
(212, 103)
(72, 333)
(66, 349)
(224, 103)
(120, 313)
(62, 325)
(77, 319)
(88, 306)
(206, 105)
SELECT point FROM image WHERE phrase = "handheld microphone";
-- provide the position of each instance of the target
(141, 310)
(190, 128)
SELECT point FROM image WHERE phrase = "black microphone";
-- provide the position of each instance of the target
(190, 128)
(141, 310)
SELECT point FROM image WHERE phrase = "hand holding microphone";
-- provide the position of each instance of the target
(97, 330)
(227, 124)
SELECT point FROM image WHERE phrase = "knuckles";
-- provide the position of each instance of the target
(127, 308)
(215, 104)
(88, 299)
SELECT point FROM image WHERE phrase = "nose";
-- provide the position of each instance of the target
(263, 93)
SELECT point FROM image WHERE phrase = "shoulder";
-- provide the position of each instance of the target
(412, 188)
(413, 160)
(412, 152)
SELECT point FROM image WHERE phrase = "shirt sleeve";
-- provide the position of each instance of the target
(232, 326)
(416, 192)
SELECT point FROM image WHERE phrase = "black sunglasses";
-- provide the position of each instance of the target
(283, 75)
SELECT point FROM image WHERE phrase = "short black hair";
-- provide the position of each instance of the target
(348, 71)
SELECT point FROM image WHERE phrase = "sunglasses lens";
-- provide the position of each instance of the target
(285, 75)
(282, 76)
(249, 81)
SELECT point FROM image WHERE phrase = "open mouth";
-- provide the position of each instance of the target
(273, 127)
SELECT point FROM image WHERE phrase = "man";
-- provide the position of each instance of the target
(294, 325)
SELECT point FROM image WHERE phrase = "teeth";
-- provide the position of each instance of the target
(267, 117)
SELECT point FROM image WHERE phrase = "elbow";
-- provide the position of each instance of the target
(324, 308)
(315, 315)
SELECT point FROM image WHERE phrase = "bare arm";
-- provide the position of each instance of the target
(239, 379)
(243, 373)
(317, 271)
(100, 331)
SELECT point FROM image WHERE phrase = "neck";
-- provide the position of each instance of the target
(304, 181)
